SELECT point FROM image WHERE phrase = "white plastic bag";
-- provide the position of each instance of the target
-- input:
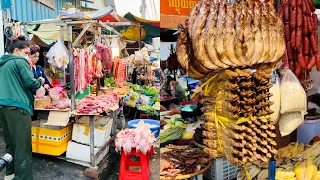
(293, 96)
(40, 92)
(145, 99)
(289, 122)
(275, 98)
(58, 55)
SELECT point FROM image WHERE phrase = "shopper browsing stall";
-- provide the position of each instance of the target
(36, 69)
(16, 108)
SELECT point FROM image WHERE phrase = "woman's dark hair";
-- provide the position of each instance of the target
(19, 43)
(34, 49)
(169, 79)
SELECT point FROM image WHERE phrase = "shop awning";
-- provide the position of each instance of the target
(175, 12)
(149, 27)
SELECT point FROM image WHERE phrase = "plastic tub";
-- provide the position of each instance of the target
(149, 121)
(189, 108)
(308, 130)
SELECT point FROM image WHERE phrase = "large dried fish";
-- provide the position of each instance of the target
(240, 24)
(193, 14)
(280, 45)
(183, 56)
(273, 30)
(219, 44)
(229, 36)
(198, 37)
(249, 44)
(258, 41)
(209, 35)
(265, 34)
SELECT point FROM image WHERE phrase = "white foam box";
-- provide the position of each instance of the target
(102, 131)
(81, 152)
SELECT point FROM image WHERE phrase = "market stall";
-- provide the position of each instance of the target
(93, 118)
(253, 64)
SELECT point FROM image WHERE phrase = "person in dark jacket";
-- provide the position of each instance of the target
(16, 107)
(36, 69)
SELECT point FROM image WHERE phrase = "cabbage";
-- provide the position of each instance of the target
(180, 123)
(167, 126)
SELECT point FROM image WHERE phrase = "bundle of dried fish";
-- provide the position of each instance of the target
(225, 35)
(182, 161)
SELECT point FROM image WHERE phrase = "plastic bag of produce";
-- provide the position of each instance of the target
(289, 122)
(58, 55)
(293, 96)
(40, 92)
(275, 90)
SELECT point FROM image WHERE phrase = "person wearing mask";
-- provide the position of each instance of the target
(36, 69)
(17, 83)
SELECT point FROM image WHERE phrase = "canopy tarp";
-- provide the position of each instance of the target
(48, 31)
(150, 29)
(175, 12)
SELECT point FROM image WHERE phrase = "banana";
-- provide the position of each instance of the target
(253, 171)
(311, 151)
(306, 170)
(311, 169)
(318, 175)
(316, 161)
(300, 149)
(295, 149)
(263, 174)
(284, 174)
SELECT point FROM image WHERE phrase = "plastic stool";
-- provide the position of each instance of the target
(126, 162)
(144, 116)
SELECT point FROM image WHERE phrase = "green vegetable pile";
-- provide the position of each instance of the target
(156, 99)
(151, 91)
(152, 112)
(134, 95)
(109, 82)
(171, 134)
(131, 104)
(144, 107)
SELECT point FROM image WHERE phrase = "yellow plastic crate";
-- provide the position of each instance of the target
(50, 142)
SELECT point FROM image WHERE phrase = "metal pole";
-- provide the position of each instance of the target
(64, 69)
(73, 98)
(1, 33)
(92, 158)
(143, 9)
(140, 36)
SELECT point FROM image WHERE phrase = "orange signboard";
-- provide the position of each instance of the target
(174, 12)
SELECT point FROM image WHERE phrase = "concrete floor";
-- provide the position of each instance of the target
(49, 168)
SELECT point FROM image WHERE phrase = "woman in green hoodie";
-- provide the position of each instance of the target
(16, 108)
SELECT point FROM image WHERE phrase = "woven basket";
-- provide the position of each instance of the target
(188, 175)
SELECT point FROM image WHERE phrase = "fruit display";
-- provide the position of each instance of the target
(236, 117)
(301, 24)
(220, 35)
(295, 161)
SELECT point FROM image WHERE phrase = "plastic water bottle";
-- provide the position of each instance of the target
(5, 160)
